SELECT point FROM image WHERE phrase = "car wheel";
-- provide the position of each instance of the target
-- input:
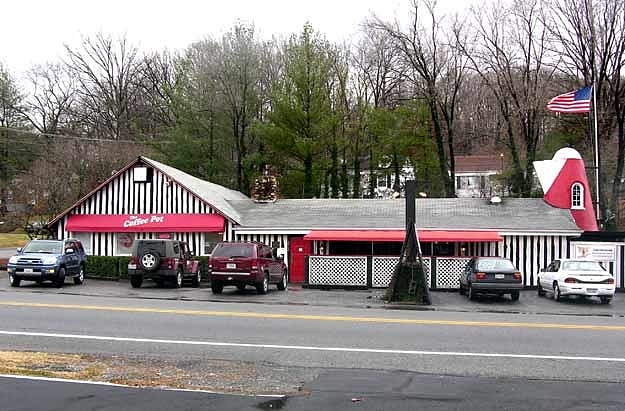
(606, 300)
(471, 293)
(216, 287)
(178, 282)
(150, 261)
(283, 282)
(263, 286)
(241, 287)
(136, 281)
(514, 295)
(556, 292)
(80, 278)
(60, 278)
(197, 279)
(541, 291)
(14, 281)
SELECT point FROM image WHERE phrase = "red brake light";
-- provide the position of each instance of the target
(570, 280)
(608, 281)
(254, 264)
(134, 260)
(480, 276)
(517, 275)
(171, 262)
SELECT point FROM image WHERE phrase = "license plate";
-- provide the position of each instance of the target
(28, 270)
(500, 276)
(132, 266)
(230, 265)
(591, 290)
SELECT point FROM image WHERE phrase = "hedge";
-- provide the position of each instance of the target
(116, 268)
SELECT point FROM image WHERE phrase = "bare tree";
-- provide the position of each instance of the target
(590, 35)
(49, 106)
(107, 71)
(510, 56)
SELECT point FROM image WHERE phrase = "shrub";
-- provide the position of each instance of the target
(102, 267)
(122, 267)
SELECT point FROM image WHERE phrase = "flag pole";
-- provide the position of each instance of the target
(596, 144)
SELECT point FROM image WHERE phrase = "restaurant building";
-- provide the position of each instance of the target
(325, 242)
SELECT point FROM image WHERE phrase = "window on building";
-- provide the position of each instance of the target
(577, 196)
(123, 243)
(210, 241)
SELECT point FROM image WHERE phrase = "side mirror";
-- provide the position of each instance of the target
(19, 249)
(69, 251)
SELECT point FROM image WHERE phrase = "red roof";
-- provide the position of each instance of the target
(468, 164)
(398, 235)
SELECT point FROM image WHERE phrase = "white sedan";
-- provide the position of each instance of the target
(586, 278)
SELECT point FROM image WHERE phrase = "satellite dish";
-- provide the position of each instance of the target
(495, 200)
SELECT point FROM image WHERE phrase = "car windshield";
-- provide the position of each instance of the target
(494, 264)
(46, 247)
(582, 266)
(233, 250)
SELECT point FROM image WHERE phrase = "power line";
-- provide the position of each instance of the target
(65, 136)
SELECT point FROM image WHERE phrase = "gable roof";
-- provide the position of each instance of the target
(214, 195)
(514, 214)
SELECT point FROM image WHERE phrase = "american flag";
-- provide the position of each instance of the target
(572, 102)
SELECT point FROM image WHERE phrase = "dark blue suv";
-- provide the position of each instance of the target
(48, 260)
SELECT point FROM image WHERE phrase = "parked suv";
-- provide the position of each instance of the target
(48, 260)
(163, 260)
(243, 263)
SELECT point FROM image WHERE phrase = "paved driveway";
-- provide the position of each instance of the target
(296, 295)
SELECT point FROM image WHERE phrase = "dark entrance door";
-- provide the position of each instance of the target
(299, 249)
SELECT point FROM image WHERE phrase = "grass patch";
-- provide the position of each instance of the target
(13, 240)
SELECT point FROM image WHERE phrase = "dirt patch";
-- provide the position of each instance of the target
(213, 375)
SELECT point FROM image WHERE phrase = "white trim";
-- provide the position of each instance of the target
(581, 205)
(302, 231)
(542, 233)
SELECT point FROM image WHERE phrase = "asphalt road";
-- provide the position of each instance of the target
(339, 352)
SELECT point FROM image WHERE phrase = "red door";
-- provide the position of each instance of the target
(299, 248)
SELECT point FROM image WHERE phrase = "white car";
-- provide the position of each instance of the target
(586, 278)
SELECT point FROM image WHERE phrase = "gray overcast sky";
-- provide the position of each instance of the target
(34, 31)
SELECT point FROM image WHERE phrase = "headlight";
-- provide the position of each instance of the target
(49, 260)
(13, 260)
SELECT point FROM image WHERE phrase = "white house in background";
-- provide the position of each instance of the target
(474, 175)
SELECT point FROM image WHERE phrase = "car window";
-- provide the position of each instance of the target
(176, 249)
(556, 265)
(46, 247)
(79, 247)
(233, 250)
(582, 266)
(494, 264)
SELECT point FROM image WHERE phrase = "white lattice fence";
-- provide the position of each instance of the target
(448, 271)
(383, 267)
(323, 270)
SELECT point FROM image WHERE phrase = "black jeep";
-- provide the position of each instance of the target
(163, 260)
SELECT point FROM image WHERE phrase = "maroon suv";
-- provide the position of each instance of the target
(243, 263)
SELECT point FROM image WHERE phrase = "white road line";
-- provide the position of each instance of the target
(311, 348)
(110, 384)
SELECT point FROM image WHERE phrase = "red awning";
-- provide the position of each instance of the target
(398, 235)
(153, 223)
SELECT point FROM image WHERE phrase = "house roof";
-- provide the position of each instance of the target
(214, 195)
(468, 164)
(514, 214)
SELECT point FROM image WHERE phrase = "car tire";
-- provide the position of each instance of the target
(263, 286)
(605, 300)
(514, 295)
(14, 281)
(150, 261)
(556, 292)
(283, 284)
(216, 287)
(80, 278)
(136, 281)
(60, 278)
(240, 287)
(541, 291)
(197, 279)
(178, 279)
(471, 293)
